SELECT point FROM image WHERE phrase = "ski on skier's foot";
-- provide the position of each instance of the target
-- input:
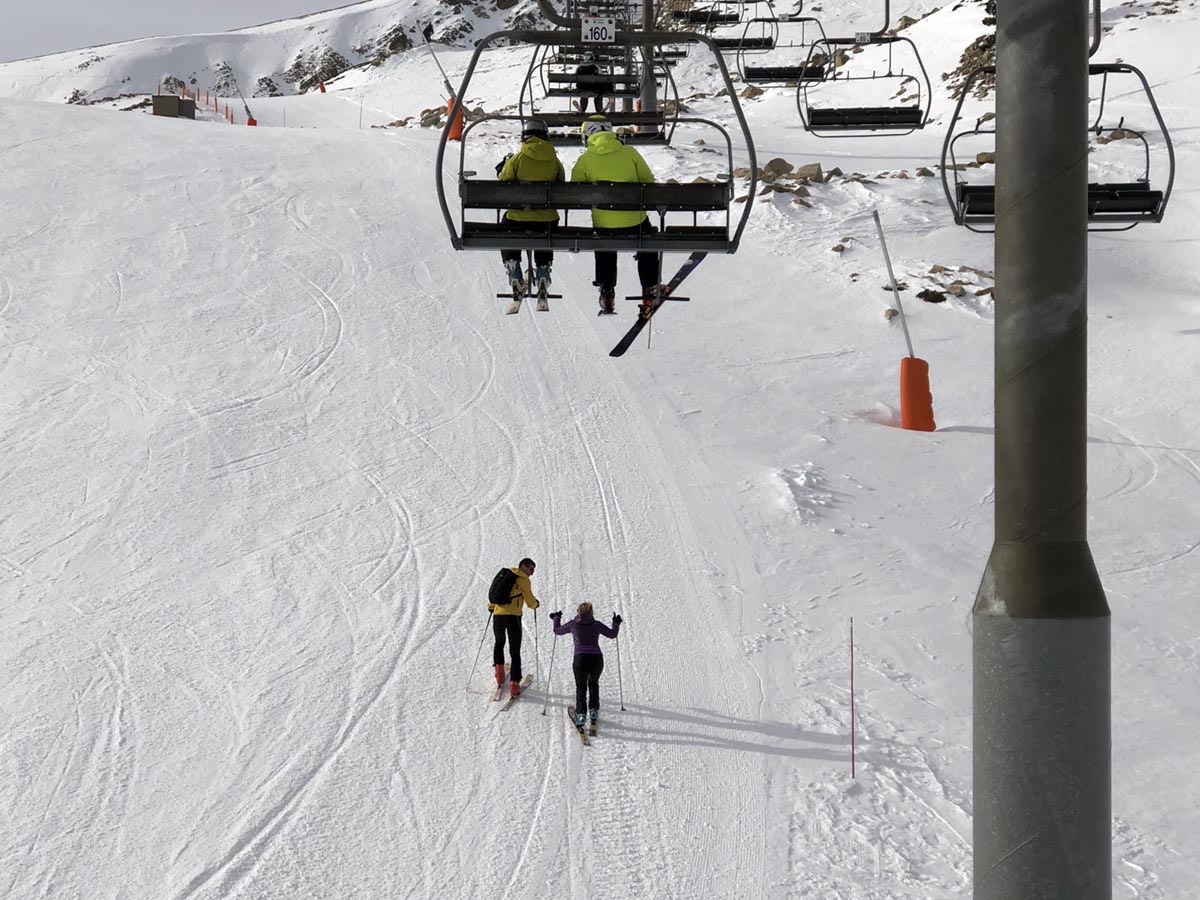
(592, 728)
(652, 305)
(579, 728)
(496, 693)
(512, 698)
(515, 296)
(544, 295)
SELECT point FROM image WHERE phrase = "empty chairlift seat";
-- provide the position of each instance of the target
(1124, 203)
(706, 17)
(865, 118)
(816, 99)
(1111, 206)
(782, 74)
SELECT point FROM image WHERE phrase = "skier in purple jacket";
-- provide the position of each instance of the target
(589, 661)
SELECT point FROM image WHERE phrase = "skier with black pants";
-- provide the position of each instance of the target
(506, 624)
(589, 661)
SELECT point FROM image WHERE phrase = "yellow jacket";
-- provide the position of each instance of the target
(520, 596)
(607, 159)
(535, 161)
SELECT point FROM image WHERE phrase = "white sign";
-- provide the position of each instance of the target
(599, 31)
(863, 37)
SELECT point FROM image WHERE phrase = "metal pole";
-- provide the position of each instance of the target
(537, 669)
(550, 672)
(620, 686)
(1042, 626)
(471, 674)
(852, 696)
(649, 94)
(427, 34)
(895, 287)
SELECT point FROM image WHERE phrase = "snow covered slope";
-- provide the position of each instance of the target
(266, 439)
(283, 57)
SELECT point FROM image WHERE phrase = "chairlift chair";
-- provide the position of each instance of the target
(1111, 206)
(710, 205)
(651, 127)
(772, 71)
(840, 121)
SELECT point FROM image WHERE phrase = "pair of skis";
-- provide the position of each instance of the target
(652, 305)
(521, 290)
(518, 296)
(512, 698)
(646, 311)
(584, 736)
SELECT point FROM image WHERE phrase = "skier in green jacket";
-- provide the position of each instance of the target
(536, 160)
(607, 159)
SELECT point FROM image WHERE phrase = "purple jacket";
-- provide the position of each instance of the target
(586, 631)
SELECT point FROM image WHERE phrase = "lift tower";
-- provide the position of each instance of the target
(1042, 626)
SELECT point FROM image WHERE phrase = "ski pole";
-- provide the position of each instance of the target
(550, 672)
(471, 674)
(537, 669)
(620, 687)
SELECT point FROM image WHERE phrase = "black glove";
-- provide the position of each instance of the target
(617, 620)
(556, 615)
(500, 165)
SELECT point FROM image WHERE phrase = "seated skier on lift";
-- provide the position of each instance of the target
(535, 160)
(597, 88)
(607, 159)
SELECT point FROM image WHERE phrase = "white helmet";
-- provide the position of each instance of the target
(594, 125)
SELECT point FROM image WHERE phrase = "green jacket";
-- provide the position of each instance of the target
(535, 161)
(607, 159)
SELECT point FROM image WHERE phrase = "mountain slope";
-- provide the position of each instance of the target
(277, 58)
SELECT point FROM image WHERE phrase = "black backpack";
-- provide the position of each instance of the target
(502, 585)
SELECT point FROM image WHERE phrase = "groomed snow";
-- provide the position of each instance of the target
(266, 438)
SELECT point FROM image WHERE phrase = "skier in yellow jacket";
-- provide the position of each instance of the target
(536, 160)
(607, 159)
(506, 622)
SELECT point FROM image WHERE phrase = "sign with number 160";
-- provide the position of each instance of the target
(599, 31)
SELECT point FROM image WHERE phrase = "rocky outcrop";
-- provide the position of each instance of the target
(314, 66)
(979, 53)
(267, 87)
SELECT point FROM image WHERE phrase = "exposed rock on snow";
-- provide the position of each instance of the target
(314, 66)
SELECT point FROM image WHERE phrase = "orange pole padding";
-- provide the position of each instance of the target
(456, 127)
(916, 400)
(322, 87)
(251, 121)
